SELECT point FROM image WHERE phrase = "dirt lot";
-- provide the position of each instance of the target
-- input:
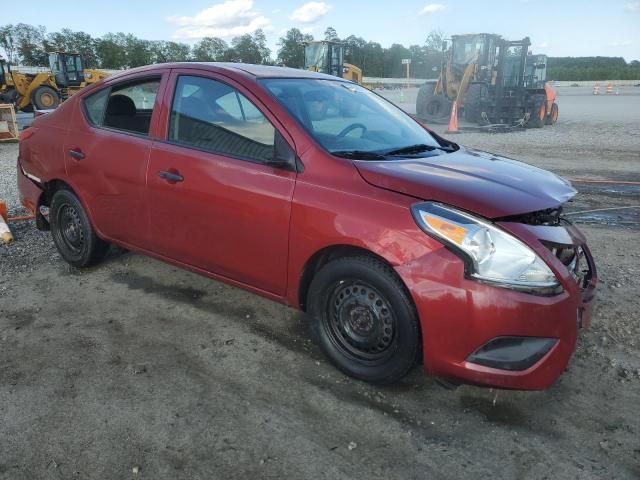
(137, 364)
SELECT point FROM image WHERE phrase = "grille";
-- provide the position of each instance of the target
(574, 258)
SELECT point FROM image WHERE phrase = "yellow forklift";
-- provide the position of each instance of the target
(494, 81)
(325, 56)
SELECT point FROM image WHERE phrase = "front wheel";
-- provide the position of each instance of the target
(364, 320)
(431, 107)
(72, 232)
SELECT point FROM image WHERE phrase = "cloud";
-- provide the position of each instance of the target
(432, 8)
(310, 12)
(632, 7)
(544, 45)
(227, 19)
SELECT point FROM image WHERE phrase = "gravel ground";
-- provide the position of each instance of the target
(135, 364)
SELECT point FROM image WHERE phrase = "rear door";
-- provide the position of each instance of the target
(213, 202)
(107, 152)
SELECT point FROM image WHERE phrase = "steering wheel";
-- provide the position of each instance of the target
(345, 131)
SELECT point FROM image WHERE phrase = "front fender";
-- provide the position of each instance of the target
(381, 224)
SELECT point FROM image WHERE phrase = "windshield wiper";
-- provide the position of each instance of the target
(358, 154)
(418, 148)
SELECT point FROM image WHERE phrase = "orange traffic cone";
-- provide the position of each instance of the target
(609, 88)
(596, 89)
(5, 233)
(453, 121)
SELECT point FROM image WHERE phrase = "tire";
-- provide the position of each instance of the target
(72, 232)
(552, 117)
(473, 102)
(538, 112)
(45, 98)
(364, 319)
(430, 107)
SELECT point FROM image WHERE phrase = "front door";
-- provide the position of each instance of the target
(213, 202)
(106, 153)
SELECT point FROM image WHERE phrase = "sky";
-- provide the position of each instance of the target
(556, 28)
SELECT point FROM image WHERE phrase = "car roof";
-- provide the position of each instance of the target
(248, 69)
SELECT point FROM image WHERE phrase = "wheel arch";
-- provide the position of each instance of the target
(328, 253)
(50, 187)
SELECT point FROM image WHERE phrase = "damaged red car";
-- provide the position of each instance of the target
(401, 246)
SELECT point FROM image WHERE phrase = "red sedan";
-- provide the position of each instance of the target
(313, 191)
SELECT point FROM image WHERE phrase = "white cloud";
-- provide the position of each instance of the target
(544, 45)
(228, 19)
(308, 30)
(310, 12)
(432, 8)
(632, 7)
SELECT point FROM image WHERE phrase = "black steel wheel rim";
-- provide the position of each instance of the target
(70, 228)
(360, 321)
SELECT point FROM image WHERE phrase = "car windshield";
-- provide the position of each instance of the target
(346, 118)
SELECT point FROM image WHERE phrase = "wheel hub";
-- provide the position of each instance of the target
(71, 228)
(360, 321)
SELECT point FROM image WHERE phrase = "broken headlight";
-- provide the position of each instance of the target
(490, 254)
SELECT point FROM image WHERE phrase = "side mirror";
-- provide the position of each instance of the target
(283, 155)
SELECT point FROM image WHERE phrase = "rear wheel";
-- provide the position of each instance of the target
(552, 117)
(72, 232)
(431, 107)
(45, 98)
(364, 320)
(538, 112)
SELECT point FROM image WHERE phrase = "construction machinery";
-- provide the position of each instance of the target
(326, 56)
(46, 90)
(493, 81)
(27, 91)
(69, 73)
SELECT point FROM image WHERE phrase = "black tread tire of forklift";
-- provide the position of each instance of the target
(472, 101)
(538, 115)
(37, 98)
(552, 116)
(431, 107)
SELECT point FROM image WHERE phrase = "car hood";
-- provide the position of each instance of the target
(479, 182)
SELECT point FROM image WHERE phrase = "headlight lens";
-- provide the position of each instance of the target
(490, 254)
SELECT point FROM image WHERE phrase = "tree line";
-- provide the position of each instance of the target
(592, 68)
(29, 45)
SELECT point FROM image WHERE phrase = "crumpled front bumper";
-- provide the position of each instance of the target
(459, 316)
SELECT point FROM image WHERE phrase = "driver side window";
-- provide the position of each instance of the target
(212, 116)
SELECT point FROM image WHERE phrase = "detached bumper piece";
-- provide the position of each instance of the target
(512, 353)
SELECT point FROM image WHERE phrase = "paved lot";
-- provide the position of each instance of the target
(135, 363)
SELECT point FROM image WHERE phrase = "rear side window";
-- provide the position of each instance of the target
(213, 116)
(125, 107)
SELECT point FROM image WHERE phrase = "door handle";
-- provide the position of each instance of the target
(76, 153)
(171, 177)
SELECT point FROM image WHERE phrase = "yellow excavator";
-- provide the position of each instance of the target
(326, 56)
(46, 90)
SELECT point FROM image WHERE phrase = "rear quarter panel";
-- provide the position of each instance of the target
(42, 154)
